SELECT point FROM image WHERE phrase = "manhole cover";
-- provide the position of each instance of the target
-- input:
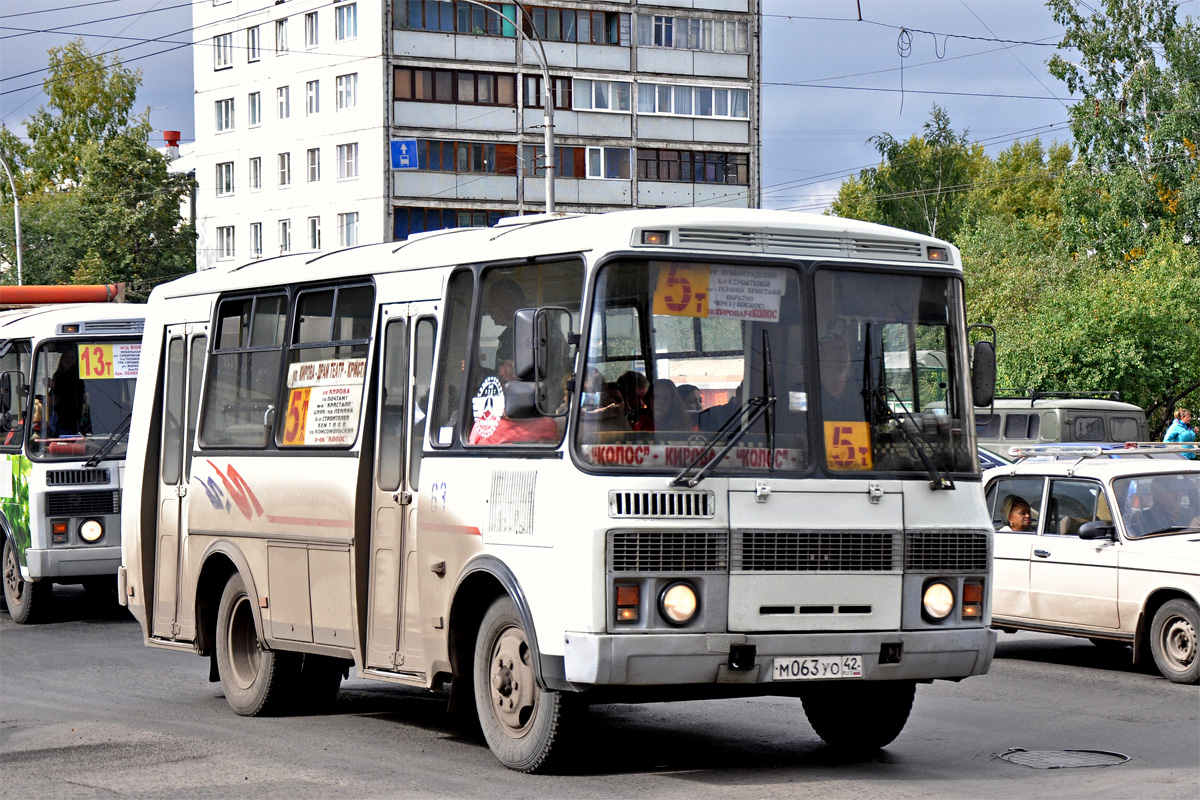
(1062, 759)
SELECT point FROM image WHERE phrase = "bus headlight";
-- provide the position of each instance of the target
(938, 600)
(91, 530)
(678, 603)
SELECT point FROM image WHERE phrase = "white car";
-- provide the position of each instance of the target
(1112, 552)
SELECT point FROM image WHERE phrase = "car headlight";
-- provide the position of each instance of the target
(91, 530)
(938, 600)
(678, 603)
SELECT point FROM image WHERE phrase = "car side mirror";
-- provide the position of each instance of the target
(1096, 529)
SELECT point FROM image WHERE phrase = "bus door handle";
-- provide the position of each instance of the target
(402, 498)
(1042, 553)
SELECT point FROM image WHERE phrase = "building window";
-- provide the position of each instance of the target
(225, 115)
(285, 236)
(223, 51)
(312, 94)
(254, 108)
(693, 167)
(455, 86)
(550, 24)
(253, 44)
(345, 21)
(256, 244)
(314, 233)
(534, 92)
(407, 221)
(601, 95)
(348, 229)
(693, 101)
(608, 163)
(347, 158)
(569, 161)
(224, 243)
(281, 40)
(285, 169)
(255, 170)
(686, 33)
(314, 164)
(310, 29)
(283, 100)
(224, 178)
(466, 157)
(347, 90)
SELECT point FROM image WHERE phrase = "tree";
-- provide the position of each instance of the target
(1136, 126)
(921, 184)
(98, 203)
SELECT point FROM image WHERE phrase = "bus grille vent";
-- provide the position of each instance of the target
(72, 504)
(808, 245)
(668, 551)
(510, 507)
(76, 477)
(661, 505)
(942, 551)
(113, 326)
(815, 551)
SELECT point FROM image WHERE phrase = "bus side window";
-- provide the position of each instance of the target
(244, 378)
(453, 361)
(426, 335)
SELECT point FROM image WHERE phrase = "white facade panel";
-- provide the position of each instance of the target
(660, 60)
(440, 116)
(665, 193)
(486, 187)
(566, 123)
(411, 183)
(614, 193)
(722, 65)
(566, 190)
(720, 194)
(675, 129)
(592, 123)
(423, 44)
(594, 56)
(724, 131)
(559, 55)
(485, 48)
(486, 118)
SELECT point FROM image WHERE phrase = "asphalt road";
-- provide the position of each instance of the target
(87, 711)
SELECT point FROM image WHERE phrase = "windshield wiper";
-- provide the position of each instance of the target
(110, 442)
(769, 391)
(754, 409)
(1172, 529)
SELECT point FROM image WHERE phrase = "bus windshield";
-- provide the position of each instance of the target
(721, 368)
(83, 393)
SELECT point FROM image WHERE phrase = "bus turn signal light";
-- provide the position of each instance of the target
(628, 602)
(972, 607)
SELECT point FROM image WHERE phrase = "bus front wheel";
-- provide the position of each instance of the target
(859, 717)
(521, 721)
(26, 600)
(256, 681)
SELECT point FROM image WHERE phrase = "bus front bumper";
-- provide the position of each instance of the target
(705, 658)
(74, 562)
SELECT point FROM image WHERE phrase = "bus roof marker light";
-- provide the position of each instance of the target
(656, 238)
(937, 254)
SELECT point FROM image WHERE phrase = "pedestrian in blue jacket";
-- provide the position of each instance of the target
(1181, 430)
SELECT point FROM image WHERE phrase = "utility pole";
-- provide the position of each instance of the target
(16, 211)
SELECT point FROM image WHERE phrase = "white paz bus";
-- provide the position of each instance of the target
(627, 457)
(67, 376)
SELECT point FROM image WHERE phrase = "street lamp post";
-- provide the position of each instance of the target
(539, 53)
(16, 211)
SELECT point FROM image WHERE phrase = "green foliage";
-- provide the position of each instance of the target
(98, 204)
(920, 186)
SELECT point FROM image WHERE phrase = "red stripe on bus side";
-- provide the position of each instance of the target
(434, 528)
(310, 522)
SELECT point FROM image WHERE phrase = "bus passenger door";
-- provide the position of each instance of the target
(393, 632)
(181, 393)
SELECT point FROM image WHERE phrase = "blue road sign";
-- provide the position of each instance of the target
(404, 153)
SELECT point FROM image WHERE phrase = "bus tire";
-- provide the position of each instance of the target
(859, 717)
(1173, 641)
(257, 682)
(521, 722)
(318, 683)
(27, 601)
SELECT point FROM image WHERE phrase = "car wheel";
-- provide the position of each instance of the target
(522, 722)
(859, 717)
(27, 601)
(1173, 640)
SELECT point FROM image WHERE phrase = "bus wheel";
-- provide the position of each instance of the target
(256, 681)
(521, 721)
(26, 600)
(859, 717)
(1173, 641)
(318, 682)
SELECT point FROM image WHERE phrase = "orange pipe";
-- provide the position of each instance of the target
(33, 295)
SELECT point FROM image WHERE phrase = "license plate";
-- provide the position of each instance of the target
(811, 668)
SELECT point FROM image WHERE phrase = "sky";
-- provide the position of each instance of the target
(831, 80)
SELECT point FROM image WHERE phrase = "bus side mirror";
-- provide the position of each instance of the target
(983, 373)
(526, 356)
(12, 385)
(542, 342)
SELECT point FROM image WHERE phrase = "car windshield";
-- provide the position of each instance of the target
(83, 393)
(1154, 505)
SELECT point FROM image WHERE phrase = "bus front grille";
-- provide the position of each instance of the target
(815, 551)
(72, 504)
(661, 505)
(76, 477)
(668, 551)
(946, 551)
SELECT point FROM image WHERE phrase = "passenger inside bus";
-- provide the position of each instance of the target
(669, 413)
(504, 298)
(497, 424)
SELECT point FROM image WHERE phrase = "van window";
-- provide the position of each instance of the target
(1089, 429)
(1124, 429)
(987, 426)
(1022, 426)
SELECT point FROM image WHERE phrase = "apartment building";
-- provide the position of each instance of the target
(328, 123)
